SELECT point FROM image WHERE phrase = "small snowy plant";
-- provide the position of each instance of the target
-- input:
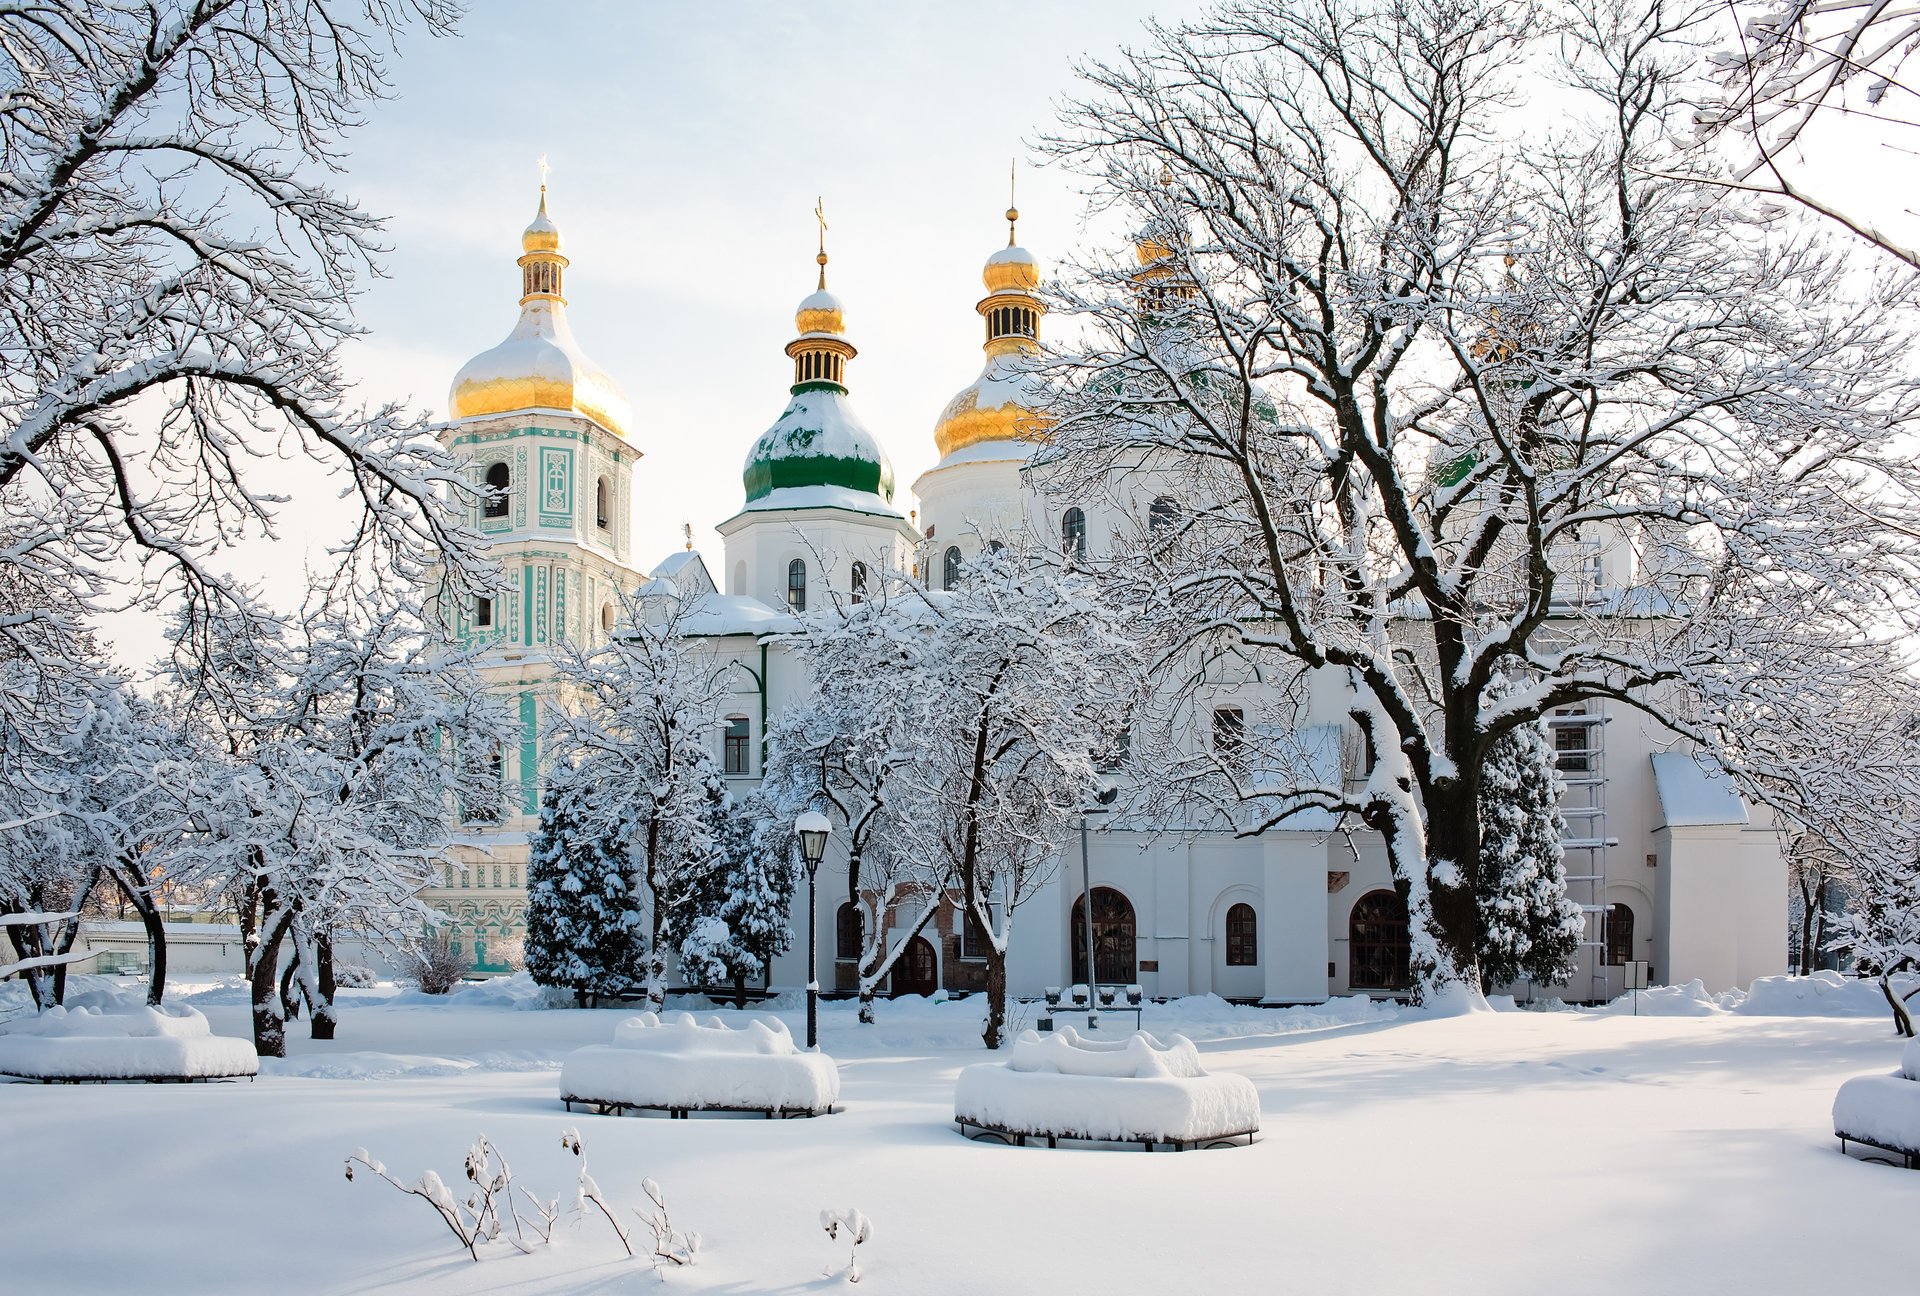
(858, 1229)
(490, 1212)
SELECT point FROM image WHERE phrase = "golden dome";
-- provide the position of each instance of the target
(1003, 403)
(820, 312)
(542, 235)
(540, 366)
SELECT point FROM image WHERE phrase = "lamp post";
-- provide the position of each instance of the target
(1103, 799)
(813, 828)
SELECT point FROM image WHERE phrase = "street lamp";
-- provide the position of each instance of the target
(813, 828)
(1103, 801)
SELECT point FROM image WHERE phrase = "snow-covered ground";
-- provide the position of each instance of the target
(1512, 1152)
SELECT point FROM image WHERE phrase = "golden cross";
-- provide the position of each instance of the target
(820, 214)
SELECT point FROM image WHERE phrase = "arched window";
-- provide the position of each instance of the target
(1243, 937)
(734, 749)
(1162, 516)
(846, 931)
(797, 585)
(1230, 735)
(606, 617)
(950, 568)
(602, 505)
(1113, 945)
(1616, 930)
(1073, 535)
(859, 582)
(1378, 953)
(499, 482)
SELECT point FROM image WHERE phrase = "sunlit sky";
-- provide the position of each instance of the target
(688, 144)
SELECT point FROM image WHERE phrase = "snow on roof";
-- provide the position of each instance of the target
(1014, 254)
(819, 497)
(817, 423)
(821, 300)
(733, 614)
(1693, 794)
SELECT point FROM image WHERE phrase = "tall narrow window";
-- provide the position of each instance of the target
(499, 482)
(1617, 932)
(859, 582)
(1575, 740)
(1162, 517)
(797, 585)
(1073, 535)
(1230, 735)
(846, 931)
(602, 505)
(950, 568)
(973, 937)
(1243, 937)
(482, 613)
(735, 750)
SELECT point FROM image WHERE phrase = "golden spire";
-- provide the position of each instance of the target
(1013, 209)
(820, 214)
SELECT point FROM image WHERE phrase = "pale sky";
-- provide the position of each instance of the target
(688, 143)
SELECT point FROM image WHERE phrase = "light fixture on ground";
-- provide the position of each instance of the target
(813, 828)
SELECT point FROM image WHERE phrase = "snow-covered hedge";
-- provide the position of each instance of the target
(1883, 1109)
(1132, 1090)
(122, 1042)
(683, 1064)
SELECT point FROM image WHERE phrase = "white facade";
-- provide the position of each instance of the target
(1269, 919)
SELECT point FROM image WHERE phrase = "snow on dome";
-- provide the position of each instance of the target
(539, 366)
(1011, 269)
(1002, 404)
(820, 312)
(818, 441)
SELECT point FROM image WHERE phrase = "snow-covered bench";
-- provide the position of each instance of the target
(1883, 1111)
(1133, 1090)
(134, 1042)
(680, 1065)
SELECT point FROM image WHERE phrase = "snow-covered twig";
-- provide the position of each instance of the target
(858, 1229)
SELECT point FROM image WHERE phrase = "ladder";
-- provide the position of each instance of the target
(1580, 752)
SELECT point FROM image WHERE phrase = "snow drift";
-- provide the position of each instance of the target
(122, 1042)
(682, 1064)
(1133, 1090)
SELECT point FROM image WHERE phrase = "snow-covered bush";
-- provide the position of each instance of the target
(354, 976)
(433, 964)
(858, 1229)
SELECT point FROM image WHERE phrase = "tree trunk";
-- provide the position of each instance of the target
(1902, 1020)
(1804, 964)
(1819, 920)
(131, 893)
(289, 998)
(323, 1017)
(67, 932)
(263, 977)
(995, 1032)
(740, 991)
(1453, 836)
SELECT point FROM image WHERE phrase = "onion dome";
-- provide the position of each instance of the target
(540, 366)
(1003, 403)
(818, 454)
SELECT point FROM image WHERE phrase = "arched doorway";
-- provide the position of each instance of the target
(1378, 953)
(1113, 950)
(917, 972)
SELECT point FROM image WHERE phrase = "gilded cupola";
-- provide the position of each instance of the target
(540, 366)
(1003, 403)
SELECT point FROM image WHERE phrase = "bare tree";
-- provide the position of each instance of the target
(1446, 396)
(176, 280)
(1785, 66)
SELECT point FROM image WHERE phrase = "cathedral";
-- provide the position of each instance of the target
(1674, 870)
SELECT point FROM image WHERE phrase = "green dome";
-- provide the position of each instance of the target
(818, 454)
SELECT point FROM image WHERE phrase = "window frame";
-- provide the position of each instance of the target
(498, 500)
(797, 585)
(736, 747)
(1243, 946)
